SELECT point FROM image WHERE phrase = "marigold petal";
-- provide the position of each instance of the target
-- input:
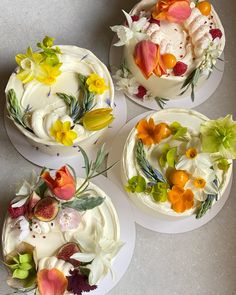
(179, 207)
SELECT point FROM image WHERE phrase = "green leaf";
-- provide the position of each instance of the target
(136, 184)
(101, 154)
(170, 157)
(20, 274)
(177, 130)
(223, 164)
(25, 258)
(25, 266)
(84, 203)
(86, 161)
(205, 206)
(161, 101)
(12, 266)
(159, 192)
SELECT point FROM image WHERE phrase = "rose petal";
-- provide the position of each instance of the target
(178, 12)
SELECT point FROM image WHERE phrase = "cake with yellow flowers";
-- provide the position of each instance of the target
(60, 97)
(61, 234)
(178, 162)
(170, 48)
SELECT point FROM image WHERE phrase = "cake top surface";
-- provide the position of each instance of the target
(60, 94)
(177, 161)
(63, 227)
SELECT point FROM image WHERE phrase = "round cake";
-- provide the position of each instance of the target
(61, 235)
(178, 162)
(170, 48)
(60, 97)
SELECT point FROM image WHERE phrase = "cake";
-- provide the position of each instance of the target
(177, 162)
(170, 48)
(60, 97)
(61, 234)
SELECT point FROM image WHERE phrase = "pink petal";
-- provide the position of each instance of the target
(179, 11)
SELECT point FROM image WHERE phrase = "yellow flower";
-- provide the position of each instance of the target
(48, 73)
(97, 119)
(96, 84)
(62, 132)
(29, 65)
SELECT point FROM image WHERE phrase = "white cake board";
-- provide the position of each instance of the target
(54, 162)
(159, 222)
(201, 94)
(127, 235)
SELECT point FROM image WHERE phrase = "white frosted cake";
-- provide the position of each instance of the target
(61, 234)
(178, 162)
(60, 97)
(170, 48)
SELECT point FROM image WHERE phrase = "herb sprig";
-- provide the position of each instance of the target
(191, 81)
(161, 101)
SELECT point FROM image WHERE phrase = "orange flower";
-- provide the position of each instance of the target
(150, 133)
(51, 282)
(176, 11)
(180, 199)
(63, 186)
(148, 58)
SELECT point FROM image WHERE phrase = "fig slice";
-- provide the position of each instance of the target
(46, 209)
(66, 251)
(31, 202)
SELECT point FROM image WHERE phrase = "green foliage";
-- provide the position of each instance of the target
(205, 206)
(168, 156)
(159, 192)
(49, 54)
(191, 81)
(161, 101)
(136, 184)
(177, 130)
(84, 202)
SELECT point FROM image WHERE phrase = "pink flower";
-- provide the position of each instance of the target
(69, 219)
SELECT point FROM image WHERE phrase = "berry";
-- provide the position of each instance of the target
(179, 178)
(204, 7)
(135, 18)
(141, 92)
(154, 21)
(180, 68)
(16, 212)
(216, 33)
(169, 60)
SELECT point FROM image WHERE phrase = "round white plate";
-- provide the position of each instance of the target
(159, 223)
(201, 94)
(54, 162)
(127, 235)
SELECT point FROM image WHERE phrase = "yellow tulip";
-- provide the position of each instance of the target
(97, 119)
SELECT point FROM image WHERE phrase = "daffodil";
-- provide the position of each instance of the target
(219, 136)
(96, 84)
(62, 133)
(97, 119)
(193, 159)
(29, 64)
(202, 185)
(48, 73)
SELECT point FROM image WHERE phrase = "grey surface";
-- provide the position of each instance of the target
(199, 262)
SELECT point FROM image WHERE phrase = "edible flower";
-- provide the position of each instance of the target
(62, 132)
(48, 73)
(69, 219)
(97, 119)
(63, 186)
(180, 199)
(176, 11)
(219, 136)
(96, 84)
(147, 57)
(151, 133)
(51, 282)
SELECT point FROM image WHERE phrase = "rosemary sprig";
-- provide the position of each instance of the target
(161, 101)
(77, 109)
(191, 81)
(205, 206)
(15, 111)
(151, 173)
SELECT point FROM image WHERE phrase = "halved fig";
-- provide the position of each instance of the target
(46, 209)
(66, 251)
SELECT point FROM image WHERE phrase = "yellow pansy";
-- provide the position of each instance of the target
(48, 73)
(62, 132)
(97, 119)
(96, 84)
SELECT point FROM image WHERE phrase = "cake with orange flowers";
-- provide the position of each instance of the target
(61, 234)
(60, 97)
(178, 162)
(170, 48)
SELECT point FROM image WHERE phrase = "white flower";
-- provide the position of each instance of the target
(69, 219)
(97, 250)
(193, 161)
(125, 82)
(134, 29)
(23, 226)
(203, 185)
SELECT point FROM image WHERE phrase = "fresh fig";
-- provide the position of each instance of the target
(46, 209)
(66, 251)
(31, 202)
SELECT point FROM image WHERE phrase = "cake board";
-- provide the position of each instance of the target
(41, 159)
(159, 223)
(201, 94)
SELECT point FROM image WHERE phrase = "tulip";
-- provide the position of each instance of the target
(97, 119)
(63, 186)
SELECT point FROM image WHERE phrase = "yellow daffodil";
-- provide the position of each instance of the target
(48, 73)
(29, 65)
(97, 119)
(96, 84)
(62, 132)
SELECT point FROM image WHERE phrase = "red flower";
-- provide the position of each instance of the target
(63, 186)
